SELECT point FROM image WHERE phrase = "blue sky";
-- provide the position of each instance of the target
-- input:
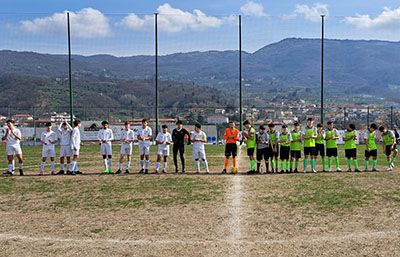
(126, 27)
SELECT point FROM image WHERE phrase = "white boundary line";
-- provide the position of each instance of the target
(145, 242)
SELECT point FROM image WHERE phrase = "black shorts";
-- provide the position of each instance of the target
(388, 149)
(371, 153)
(231, 149)
(272, 153)
(284, 152)
(296, 154)
(331, 152)
(320, 148)
(250, 151)
(350, 153)
(310, 151)
(263, 154)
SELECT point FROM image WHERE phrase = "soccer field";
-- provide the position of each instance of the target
(324, 214)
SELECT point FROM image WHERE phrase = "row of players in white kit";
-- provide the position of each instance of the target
(105, 136)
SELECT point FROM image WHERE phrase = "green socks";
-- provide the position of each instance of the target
(282, 163)
(286, 165)
(252, 164)
(323, 164)
(374, 164)
(313, 163)
(355, 164)
(366, 164)
(337, 162)
(329, 162)
(272, 164)
(349, 164)
(305, 163)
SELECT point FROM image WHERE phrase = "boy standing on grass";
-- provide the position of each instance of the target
(263, 142)
(231, 137)
(75, 146)
(350, 147)
(249, 135)
(144, 136)
(389, 146)
(163, 140)
(370, 144)
(295, 148)
(199, 138)
(179, 136)
(320, 144)
(284, 140)
(331, 135)
(64, 133)
(48, 139)
(310, 152)
(105, 137)
(13, 137)
(273, 147)
(127, 138)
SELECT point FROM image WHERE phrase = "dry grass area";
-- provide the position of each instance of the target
(332, 214)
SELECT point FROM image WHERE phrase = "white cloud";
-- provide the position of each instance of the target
(253, 9)
(311, 13)
(86, 23)
(174, 20)
(388, 19)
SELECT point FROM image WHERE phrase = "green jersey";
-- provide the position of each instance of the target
(295, 145)
(274, 136)
(329, 134)
(370, 137)
(320, 138)
(309, 132)
(285, 139)
(351, 142)
(251, 143)
(389, 138)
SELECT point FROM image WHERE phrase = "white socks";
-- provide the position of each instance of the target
(62, 166)
(142, 163)
(52, 166)
(147, 164)
(157, 166)
(205, 165)
(128, 165)
(197, 166)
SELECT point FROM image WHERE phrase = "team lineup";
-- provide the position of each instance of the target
(274, 151)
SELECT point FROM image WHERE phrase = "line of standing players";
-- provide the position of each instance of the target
(281, 151)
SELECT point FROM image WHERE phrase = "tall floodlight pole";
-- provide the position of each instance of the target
(156, 65)
(71, 108)
(322, 67)
(240, 75)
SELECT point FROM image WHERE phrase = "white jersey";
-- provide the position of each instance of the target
(76, 138)
(144, 135)
(65, 135)
(11, 139)
(165, 138)
(127, 136)
(48, 138)
(106, 135)
(199, 146)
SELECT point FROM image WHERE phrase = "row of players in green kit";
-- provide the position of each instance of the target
(285, 147)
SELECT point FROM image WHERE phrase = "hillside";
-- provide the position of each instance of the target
(286, 68)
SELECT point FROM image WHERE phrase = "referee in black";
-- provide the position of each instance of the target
(178, 137)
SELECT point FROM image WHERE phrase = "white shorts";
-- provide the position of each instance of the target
(48, 152)
(126, 149)
(144, 149)
(106, 149)
(163, 151)
(65, 151)
(75, 152)
(199, 154)
(14, 149)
